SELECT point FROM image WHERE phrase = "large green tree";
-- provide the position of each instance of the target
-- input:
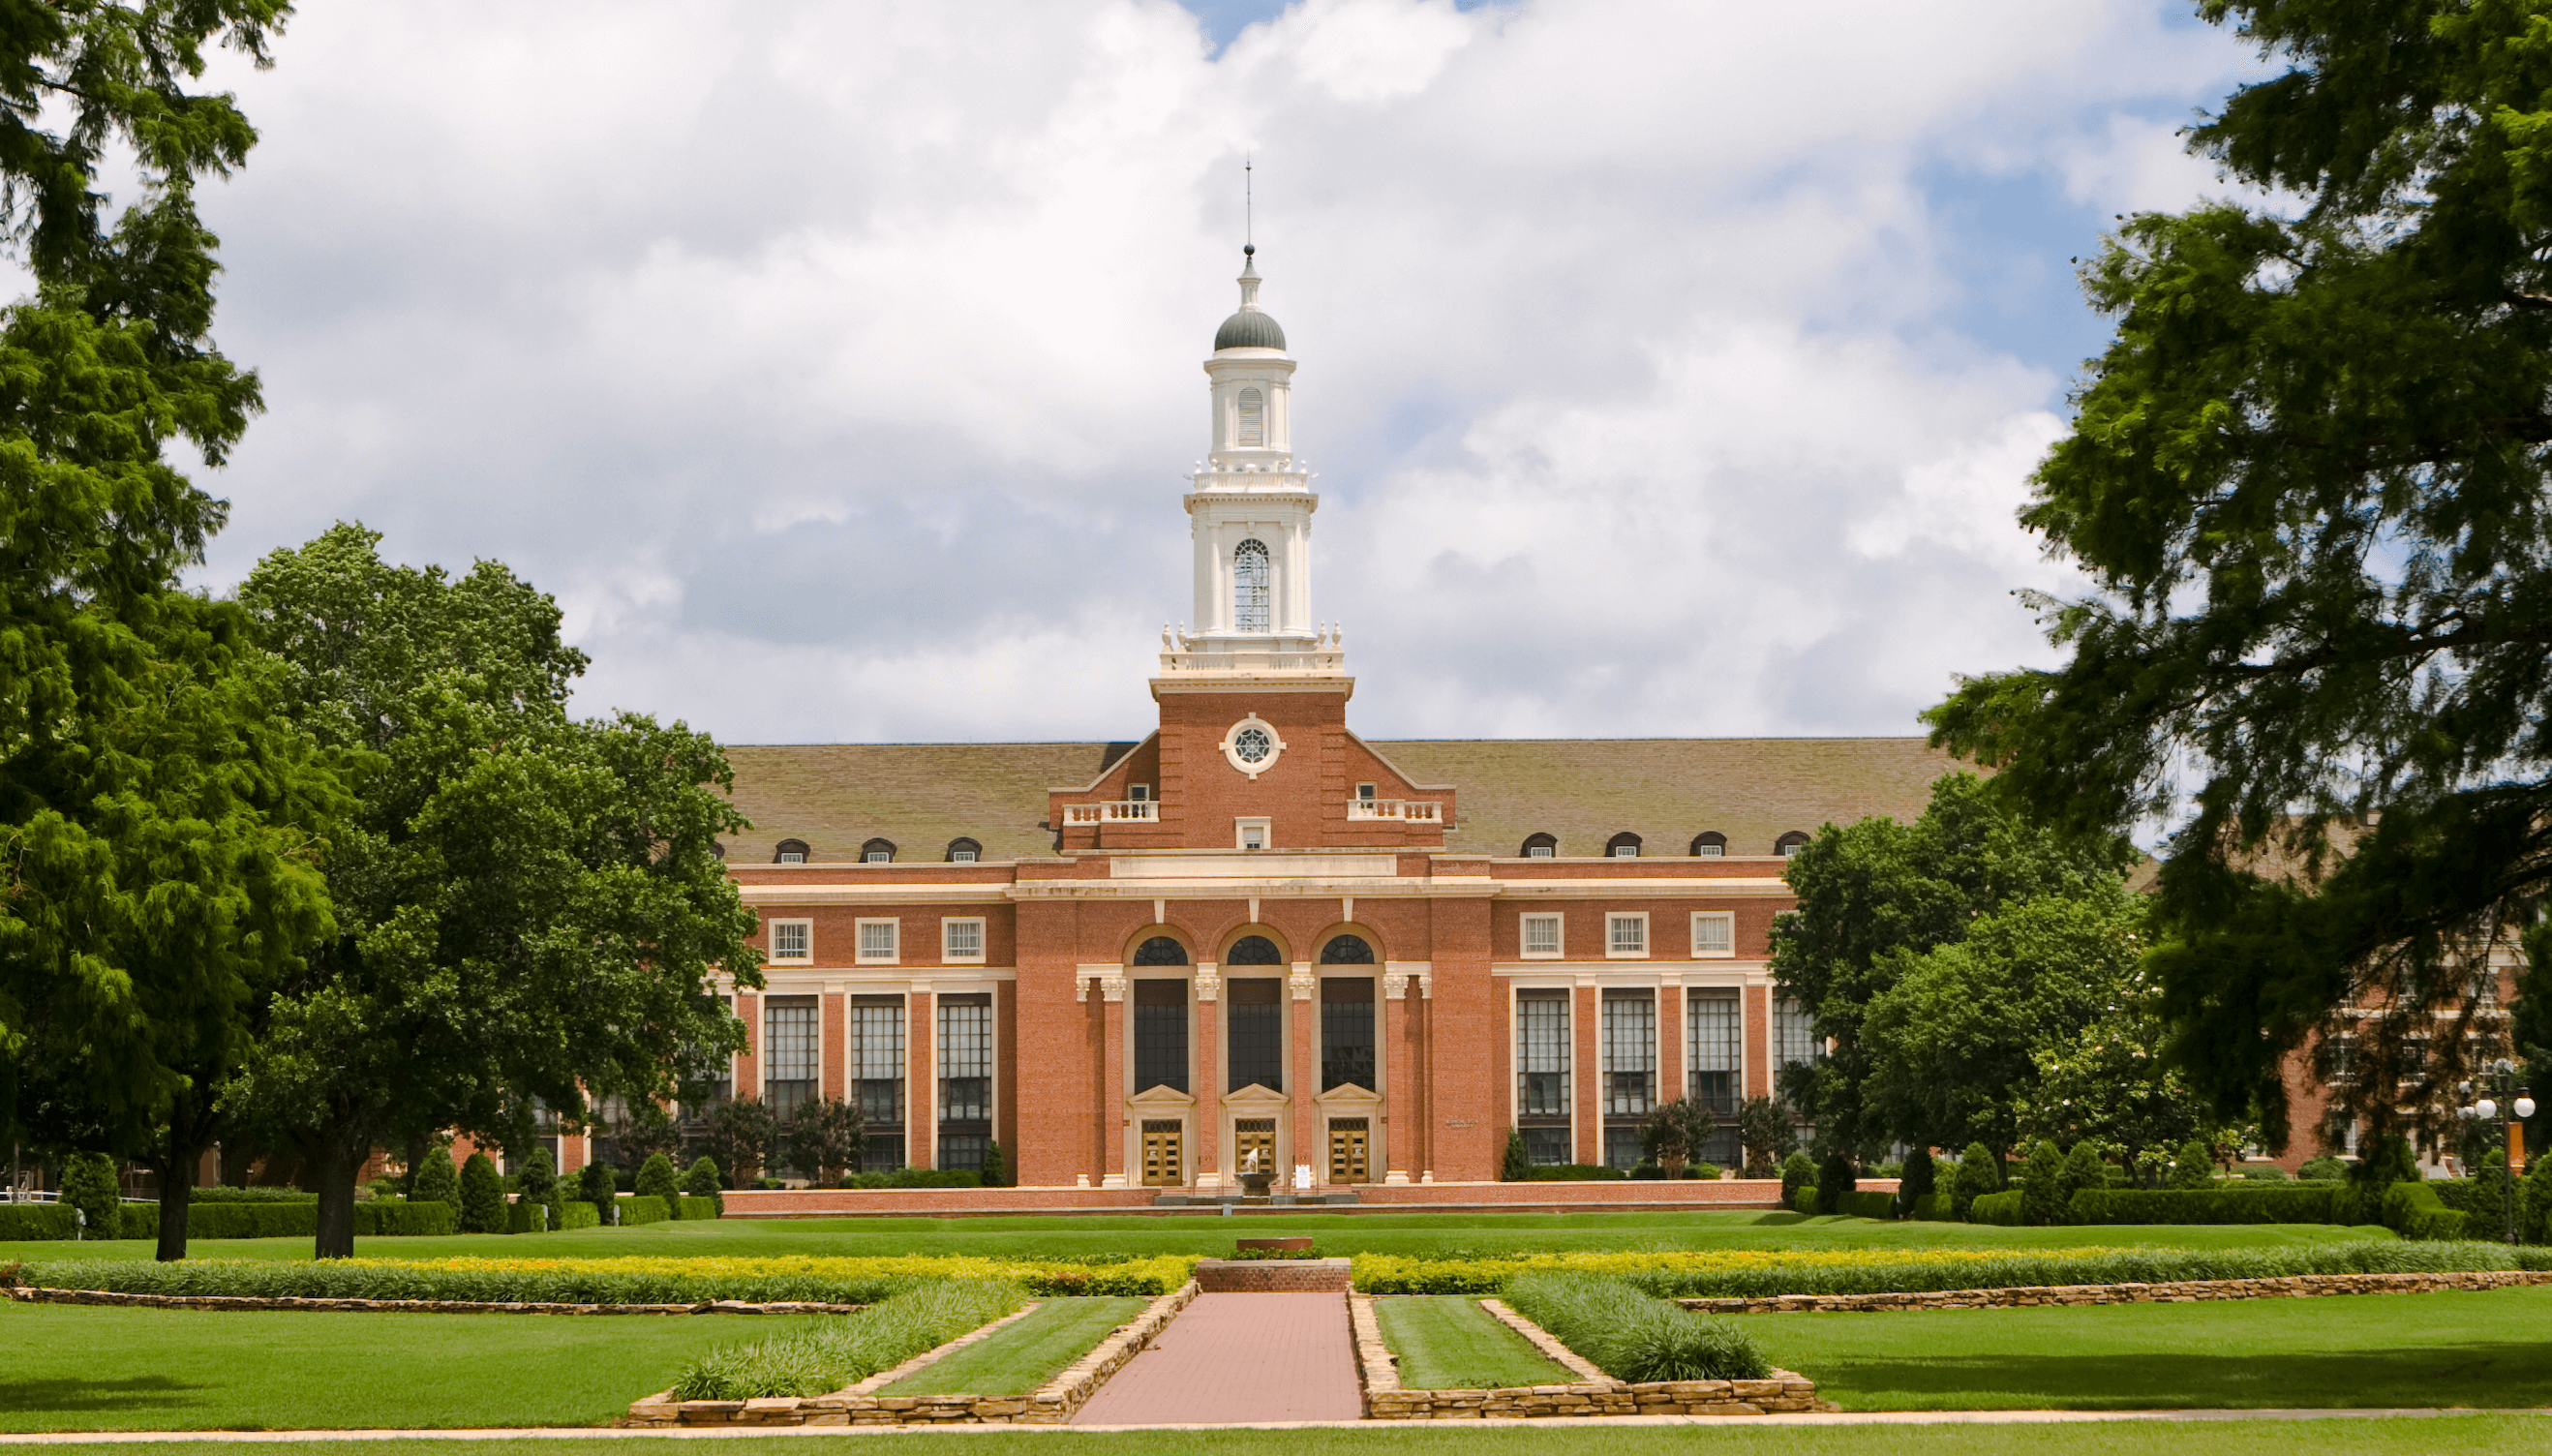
(2307, 483)
(154, 870)
(532, 907)
(1873, 894)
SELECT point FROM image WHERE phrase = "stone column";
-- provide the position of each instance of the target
(1111, 1083)
(922, 1080)
(1400, 1119)
(1311, 1140)
(1204, 1018)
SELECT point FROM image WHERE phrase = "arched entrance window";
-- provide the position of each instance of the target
(1250, 606)
(1254, 950)
(1160, 950)
(1347, 950)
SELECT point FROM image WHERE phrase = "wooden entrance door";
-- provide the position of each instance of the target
(1258, 1134)
(1349, 1146)
(1164, 1154)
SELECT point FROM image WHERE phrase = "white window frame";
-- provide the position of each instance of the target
(807, 959)
(1542, 851)
(1367, 791)
(1726, 920)
(948, 951)
(1138, 793)
(1241, 829)
(1559, 936)
(963, 857)
(1614, 920)
(893, 940)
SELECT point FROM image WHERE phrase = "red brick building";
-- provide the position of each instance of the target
(1252, 931)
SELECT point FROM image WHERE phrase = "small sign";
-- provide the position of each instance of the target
(1460, 1122)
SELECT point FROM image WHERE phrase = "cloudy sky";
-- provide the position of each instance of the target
(1670, 368)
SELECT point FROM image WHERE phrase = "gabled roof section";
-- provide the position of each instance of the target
(837, 795)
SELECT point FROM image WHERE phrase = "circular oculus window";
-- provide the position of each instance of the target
(1252, 746)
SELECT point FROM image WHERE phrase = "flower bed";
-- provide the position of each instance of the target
(1768, 1273)
(787, 1280)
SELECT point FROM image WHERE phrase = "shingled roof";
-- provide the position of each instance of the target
(920, 795)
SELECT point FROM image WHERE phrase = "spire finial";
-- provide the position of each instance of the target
(1248, 208)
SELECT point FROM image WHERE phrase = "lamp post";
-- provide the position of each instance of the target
(2512, 1106)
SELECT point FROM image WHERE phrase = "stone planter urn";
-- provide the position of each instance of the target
(1255, 1182)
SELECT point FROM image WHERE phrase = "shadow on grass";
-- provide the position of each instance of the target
(134, 1392)
(2490, 1374)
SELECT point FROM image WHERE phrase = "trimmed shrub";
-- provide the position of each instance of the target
(656, 1180)
(995, 1168)
(275, 1220)
(223, 1193)
(829, 1354)
(398, 1220)
(2041, 1185)
(640, 1208)
(598, 1183)
(694, 1207)
(90, 1186)
(537, 1182)
(1576, 1173)
(1916, 1182)
(1979, 1174)
(138, 1221)
(2085, 1168)
(2534, 1211)
(701, 1178)
(1706, 1172)
(2195, 1168)
(527, 1215)
(1798, 1171)
(2325, 1169)
(1933, 1208)
(917, 1177)
(2297, 1202)
(35, 1221)
(437, 1179)
(2004, 1208)
(577, 1213)
(2381, 1162)
(1867, 1204)
(1514, 1165)
(1808, 1199)
(2415, 1211)
(1835, 1181)
(482, 1197)
(1633, 1335)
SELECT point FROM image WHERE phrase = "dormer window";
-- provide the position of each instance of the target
(1251, 576)
(1708, 844)
(1541, 846)
(1624, 846)
(964, 851)
(790, 852)
(878, 852)
(1254, 420)
(1790, 844)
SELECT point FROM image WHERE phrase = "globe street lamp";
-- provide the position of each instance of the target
(2512, 1106)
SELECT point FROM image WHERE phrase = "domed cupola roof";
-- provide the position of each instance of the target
(1250, 328)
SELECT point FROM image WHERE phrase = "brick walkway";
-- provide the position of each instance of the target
(1238, 1358)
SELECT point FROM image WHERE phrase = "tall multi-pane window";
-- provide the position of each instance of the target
(789, 1056)
(1160, 1035)
(1794, 1034)
(1253, 419)
(1541, 1075)
(877, 1079)
(965, 1079)
(1346, 1032)
(1253, 609)
(1715, 1050)
(1257, 1016)
(1630, 1035)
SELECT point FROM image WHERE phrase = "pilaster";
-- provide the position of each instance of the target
(1400, 1123)
(1206, 1014)
(1311, 1140)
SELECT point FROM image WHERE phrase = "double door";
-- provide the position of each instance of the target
(1164, 1153)
(1351, 1149)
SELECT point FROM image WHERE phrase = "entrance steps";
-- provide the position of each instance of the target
(1243, 1202)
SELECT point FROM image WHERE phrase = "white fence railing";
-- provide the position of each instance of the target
(1114, 811)
(1415, 810)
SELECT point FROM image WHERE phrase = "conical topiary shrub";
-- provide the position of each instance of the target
(437, 1180)
(482, 1197)
(656, 1180)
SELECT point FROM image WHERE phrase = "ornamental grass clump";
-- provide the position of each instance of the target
(832, 1353)
(1633, 1336)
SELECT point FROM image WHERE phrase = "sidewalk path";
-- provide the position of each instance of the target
(1230, 1358)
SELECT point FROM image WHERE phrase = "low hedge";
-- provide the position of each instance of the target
(626, 1281)
(2258, 1202)
(525, 1215)
(36, 1222)
(223, 1193)
(578, 1215)
(257, 1219)
(696, 1206)
(2415, 1211)
(1933, 1208)
(639, 1208)
(917, 1177)
(1576, 1173)
(1858, 1205)
(1805, 1200)
(2000, 1209)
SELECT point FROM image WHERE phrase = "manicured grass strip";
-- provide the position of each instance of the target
(2464, 1436)
(1448, 1342)
(2490, 1348)
(1118, 1236)
(1022, 1356)
(831, 1352)
(1635, 1336)
(71, 1367)
(1761, 1274)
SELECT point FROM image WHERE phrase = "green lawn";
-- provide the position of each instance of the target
(1448, 1342)
(1379, 1233)
(69, 1367)
(2480, 1349)
(1026, 1355)
(2465, 1435)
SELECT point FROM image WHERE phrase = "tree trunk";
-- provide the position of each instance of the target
(332, 1164)
(180, 1152)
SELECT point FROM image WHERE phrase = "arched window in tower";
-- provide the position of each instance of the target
(1250, 612)
(1253, 419)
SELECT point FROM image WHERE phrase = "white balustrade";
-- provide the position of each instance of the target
(1114, 811)
(1413, 811)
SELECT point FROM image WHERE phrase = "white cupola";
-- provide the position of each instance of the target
(1249, 512)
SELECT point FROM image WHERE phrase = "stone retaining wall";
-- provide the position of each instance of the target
(1593, 1392)
(1273, 1275)
(424, 1307)
(1052, 1404)
(2296, 1286)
